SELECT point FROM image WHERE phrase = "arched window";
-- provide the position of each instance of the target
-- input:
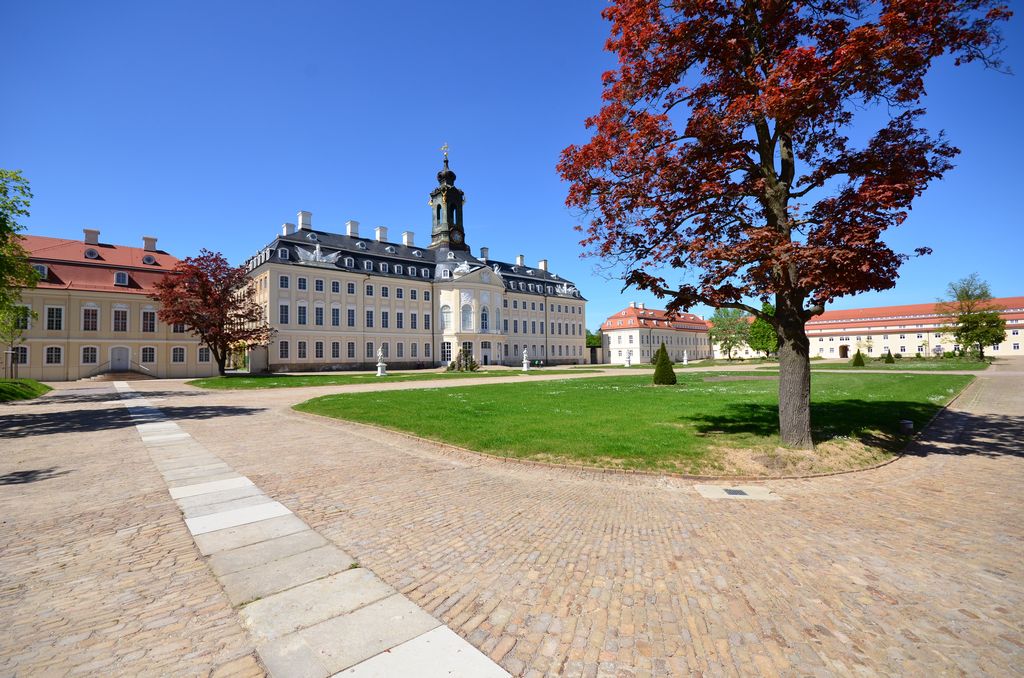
(439, 213)
(467, 317)
(484, 317)
(453, 215)
(446, 317)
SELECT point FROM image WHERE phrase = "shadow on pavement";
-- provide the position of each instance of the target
(35, 475)
(99, 395)
(84, 421)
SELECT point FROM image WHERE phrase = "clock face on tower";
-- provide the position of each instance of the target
(456, 237)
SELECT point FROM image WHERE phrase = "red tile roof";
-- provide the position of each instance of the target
(652, 317)
(69, 268)
(918, 311)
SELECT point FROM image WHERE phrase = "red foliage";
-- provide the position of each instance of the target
(722, 146)
(215, 301)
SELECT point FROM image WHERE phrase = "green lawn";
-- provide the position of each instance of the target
(345, 379)
(922, 365)
(20, 389)
(626, 422)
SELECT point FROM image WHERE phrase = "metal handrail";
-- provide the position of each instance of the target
(100, 370)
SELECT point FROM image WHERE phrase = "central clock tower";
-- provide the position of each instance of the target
(446, 212)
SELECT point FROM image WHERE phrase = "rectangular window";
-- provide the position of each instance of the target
(351, 287)
(533, 327)
(426, 295)
(335, 317)
(301, 313)
(426, 350)
(90, 320)
(400, 350)
(384, 319)
(369, 318)
(412, 294)
(351, 349)
(426, 321)
(412, 350)
(20, 356)
(204, 354)
(282, 314)
(515, 327)
(351, 317)
(384, 350)
(504, 325)
(369, 349)
(335, 287)
(148, 354)
(55, 318)
(1016, 347)
(318, 315)
(369, 290)
(318, 350)
(399, 320)
(384, 291)
(446, 351)
(412, 321)
(120, 320)
(301, 352)
(90, 356)
(282, 282)
(54, 355)
(177, 354)
(335, 350)
(302, 284)
(149, 321)
(399, 293)
(318, 285)
(283, 349)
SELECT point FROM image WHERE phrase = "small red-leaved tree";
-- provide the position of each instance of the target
(214, 301)
(722, 148)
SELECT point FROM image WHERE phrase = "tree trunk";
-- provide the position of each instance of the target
(794, 379)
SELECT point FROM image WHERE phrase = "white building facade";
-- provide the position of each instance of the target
(633, 334)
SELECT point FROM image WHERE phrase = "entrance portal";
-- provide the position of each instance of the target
(844, 351)
(119, 359)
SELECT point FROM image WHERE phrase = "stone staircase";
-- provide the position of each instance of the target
(118, 376)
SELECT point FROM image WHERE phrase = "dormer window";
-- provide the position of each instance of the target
(398, 269)
(42, 270)
(368, 265)
(311, 236)
(383, 268)
(282, 253)
(149, 259)
(349, 262)
(451, 255)
(91, 253)
(390, 249)
(361, 245)
(121, 278)
(417, 253)
(445, 273)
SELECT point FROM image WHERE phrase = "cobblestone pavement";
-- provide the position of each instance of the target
(911, 569)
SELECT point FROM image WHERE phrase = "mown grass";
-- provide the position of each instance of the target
(625, 422)
(20, 389)
(345, 379)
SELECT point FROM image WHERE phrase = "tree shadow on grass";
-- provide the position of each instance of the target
(32, 476)
(989, 435)
(85, 421)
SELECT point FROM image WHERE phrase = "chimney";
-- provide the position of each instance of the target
(92, 236)
(149, 243)
(305, 221)
(484, 252)
(543, 265)
(287, 228)
(407, 237)
(641, 306)
(520, 260)
(352, 228)
(380, 233)
(632, 304)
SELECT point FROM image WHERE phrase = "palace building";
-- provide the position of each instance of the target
(636, 332)
(94, 314)
(335, 299)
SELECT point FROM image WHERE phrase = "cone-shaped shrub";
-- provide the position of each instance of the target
(858, 359)
(888, 358)
(664, 375)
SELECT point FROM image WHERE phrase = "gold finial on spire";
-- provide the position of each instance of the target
(445, 149)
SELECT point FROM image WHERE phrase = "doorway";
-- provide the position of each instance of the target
(119, 359)
(844, 351)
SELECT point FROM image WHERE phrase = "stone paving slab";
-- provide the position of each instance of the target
(206, 509)
(247, 585)
(243, 535)
(312, 603)
(209, 486)
(235, 517)
(218, 497)
(265, 552)
(439, 653)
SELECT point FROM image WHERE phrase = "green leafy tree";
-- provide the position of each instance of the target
(729, 329)
(14, 321)
(975, 320)
(858, 359)
(594, 339)
(15, 270)
(762, 336)
(664, 375)
(464, 362)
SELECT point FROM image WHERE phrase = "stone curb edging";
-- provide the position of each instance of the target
(638, 472)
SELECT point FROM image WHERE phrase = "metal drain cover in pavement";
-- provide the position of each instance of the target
(755, 492)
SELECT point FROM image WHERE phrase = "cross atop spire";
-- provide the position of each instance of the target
(445, 149)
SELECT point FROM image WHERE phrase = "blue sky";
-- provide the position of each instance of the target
(209, 124)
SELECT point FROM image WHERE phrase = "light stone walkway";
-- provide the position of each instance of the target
(912, 569)
(312, 611)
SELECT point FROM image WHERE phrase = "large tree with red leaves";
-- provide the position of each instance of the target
(723, 148)
(216, 302)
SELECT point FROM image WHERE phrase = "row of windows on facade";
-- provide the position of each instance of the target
(685, 340)
(121, 278)
(921, 348)
(302, 284)
(467, 324)
(886, 336)
(302, 352)
(54, 355)
(119, 320)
